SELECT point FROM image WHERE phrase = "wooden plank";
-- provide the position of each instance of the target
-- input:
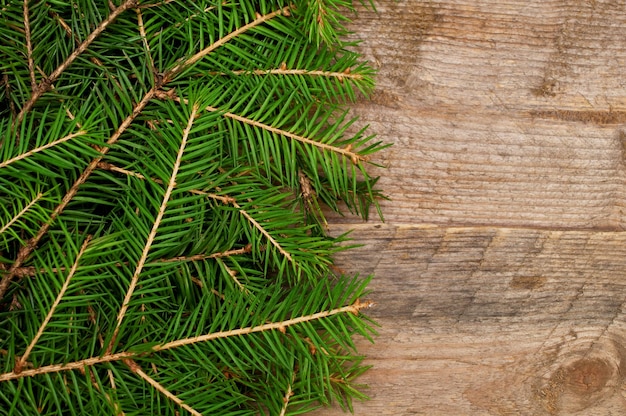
(493, 321)
(500, 271)
(502, 113)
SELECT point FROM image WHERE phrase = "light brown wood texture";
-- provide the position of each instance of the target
(500, 272)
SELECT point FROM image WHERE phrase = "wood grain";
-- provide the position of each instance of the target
(500, 270)
(506, 113)
(492, 320)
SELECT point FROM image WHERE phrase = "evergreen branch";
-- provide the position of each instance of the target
(76, 365)
(142, 33)
(22, 212)
(64, 25)
(111, 167)
(284, 71)
(45, 85)
(32, 271)
(347, 151)
(169, 75)
(218, 255)
(70, 34)
(135, 368)
(20, 364)
(354, 309)
(29, 48)
(263, 231)
(354, 157)
(176, 260)
(288, 395)
(27, 249)
(223, 199)
(153, 232)
(232, 274)
(42, 148)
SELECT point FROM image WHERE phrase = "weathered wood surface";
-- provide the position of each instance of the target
(501, 268)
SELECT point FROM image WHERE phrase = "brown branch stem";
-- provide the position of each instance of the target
(355, 308)
(32, 271)
(157, 222)
(29, 48)
(42, 148)
(263, 231)
(288, 395)
(281, 71)
(142, 33)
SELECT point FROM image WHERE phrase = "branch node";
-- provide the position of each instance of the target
(163, 94)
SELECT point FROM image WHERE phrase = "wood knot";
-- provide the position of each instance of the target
(587, 376)
(580, 384)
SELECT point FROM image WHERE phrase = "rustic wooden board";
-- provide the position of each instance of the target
(492, 320)
(500, 270)
(504, 113)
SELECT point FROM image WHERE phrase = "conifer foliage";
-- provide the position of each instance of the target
(163, 168)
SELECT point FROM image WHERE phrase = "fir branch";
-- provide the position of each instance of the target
(169, 75)
(221, 198)
(263, 231)
(70, 34)
(155, 227)
(288, 394)
(27, 249)
(45, 85)
(232, 274)
(341, 75)
(64, 25)
(20, 364)
(135, 368)
(42, 148)
(354, 309)
(111, 167)
(201, 257)
(21, 213)
(153, 92)
(76, 365)
(198, 220)
(142, 33)
(354, 157)
(32, 271)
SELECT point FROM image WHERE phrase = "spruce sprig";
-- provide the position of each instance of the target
(163, 168)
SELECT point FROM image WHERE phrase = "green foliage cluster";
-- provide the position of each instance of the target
(163, 168)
